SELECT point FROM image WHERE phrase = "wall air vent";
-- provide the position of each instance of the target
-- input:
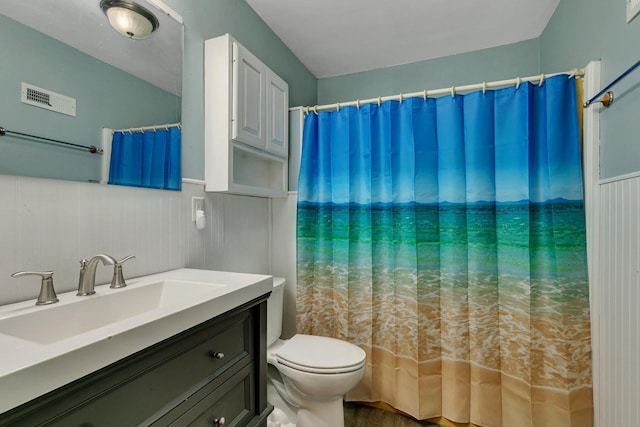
(44, 98)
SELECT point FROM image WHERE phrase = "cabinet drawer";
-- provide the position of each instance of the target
(231, 401)
(165, 384)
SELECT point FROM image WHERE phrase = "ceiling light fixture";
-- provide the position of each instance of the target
(129, 19)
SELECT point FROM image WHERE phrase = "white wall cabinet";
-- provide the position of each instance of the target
(246, 122)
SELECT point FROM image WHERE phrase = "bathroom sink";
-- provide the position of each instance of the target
(45, 347)
(106, 307)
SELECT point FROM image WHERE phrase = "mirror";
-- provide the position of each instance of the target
(66, 49)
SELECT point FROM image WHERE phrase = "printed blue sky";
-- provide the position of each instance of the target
(474, 147)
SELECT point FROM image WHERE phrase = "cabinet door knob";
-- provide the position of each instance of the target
(219, 422)
(217, 355)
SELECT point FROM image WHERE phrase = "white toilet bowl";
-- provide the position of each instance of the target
(311, 376)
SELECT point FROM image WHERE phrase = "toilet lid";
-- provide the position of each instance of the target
(316, 354)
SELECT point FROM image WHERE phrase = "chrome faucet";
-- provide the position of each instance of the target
(87, 280)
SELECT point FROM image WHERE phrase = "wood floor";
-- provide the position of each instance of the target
(357, 415)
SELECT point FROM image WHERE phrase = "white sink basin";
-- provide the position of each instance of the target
(91, 312)
(46, 347)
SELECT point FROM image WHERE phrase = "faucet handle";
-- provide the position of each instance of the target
(127, 258)
(118, 278)
(47, 293)
(83, 269)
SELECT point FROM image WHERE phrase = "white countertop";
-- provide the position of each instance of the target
(32, 366)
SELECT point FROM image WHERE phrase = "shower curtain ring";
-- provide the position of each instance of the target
(379, 100)
(358, 104)
(518, 83)
(573, 73)
(484, 87)
(315, 109)
(338, 106)
(425, 95)
(453, 91)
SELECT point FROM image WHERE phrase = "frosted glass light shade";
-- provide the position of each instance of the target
(130, 19)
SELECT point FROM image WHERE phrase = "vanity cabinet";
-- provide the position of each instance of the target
(246, 122)
(212, 374)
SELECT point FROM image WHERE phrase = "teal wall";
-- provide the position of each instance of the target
(581, 31)
(205, 19)
(503, 62)
(100, 90)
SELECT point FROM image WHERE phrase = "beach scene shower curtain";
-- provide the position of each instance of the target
(446, 237)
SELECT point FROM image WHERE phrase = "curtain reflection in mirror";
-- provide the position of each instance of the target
(149, 158)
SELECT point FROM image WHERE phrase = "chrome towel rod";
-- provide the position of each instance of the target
(607, 100)
(90, 148)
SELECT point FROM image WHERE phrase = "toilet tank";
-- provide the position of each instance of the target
(274, 310)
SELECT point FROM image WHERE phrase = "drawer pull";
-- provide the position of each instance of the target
(219, 422)
(217, 355)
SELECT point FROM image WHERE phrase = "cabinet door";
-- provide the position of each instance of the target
(231, 404)
(277, 115)
(249, 90)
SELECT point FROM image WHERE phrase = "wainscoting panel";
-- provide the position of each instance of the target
(284, 255)
(51, 225)
(616, 300)
(238, 233)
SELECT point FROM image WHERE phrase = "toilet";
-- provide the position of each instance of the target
(308, 375)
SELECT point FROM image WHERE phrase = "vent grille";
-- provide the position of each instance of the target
(37, 96)
(47, 99)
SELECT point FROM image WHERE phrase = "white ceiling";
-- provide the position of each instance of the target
(82, 25)
(336, 37)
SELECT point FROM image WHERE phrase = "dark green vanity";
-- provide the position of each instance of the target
(213, 374)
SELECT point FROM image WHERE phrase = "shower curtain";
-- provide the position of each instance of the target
(446, 237)
(150, 158)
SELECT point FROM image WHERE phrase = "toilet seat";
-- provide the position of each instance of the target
(320, 355)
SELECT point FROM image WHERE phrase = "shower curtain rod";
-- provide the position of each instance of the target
(153, 128)
(445, 91)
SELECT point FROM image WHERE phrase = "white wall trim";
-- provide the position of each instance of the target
(591, 134)
(167, 10)
(193, 181)
(107, 138)
(624, 177)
